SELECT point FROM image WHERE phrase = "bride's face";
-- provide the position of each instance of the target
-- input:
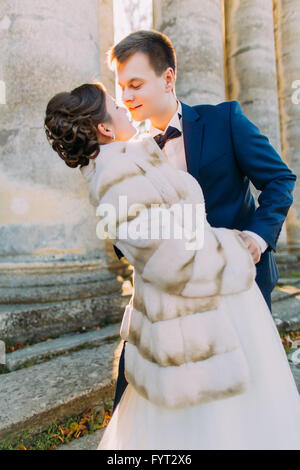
(121, 124)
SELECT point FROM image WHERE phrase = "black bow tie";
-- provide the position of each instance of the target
(171, 133)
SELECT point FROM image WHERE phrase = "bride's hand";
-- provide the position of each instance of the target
(252, 245)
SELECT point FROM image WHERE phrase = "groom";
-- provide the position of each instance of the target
(216, 144)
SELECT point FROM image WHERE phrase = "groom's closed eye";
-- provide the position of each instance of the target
(133, 84)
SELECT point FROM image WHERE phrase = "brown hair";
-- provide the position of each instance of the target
(157, 46)
(71, 123)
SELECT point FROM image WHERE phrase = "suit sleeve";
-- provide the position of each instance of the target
(259, 161)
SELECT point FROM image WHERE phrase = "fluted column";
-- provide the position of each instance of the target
(46, 47)
(287, 35)
(250, 62)
(195, 28)
(50, 253)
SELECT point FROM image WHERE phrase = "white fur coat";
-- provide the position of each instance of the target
(182, 348)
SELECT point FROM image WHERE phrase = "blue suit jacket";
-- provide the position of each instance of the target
(224, 150)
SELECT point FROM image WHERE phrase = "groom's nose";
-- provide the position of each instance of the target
(127, 95)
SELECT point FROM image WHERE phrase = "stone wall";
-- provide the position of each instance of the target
(51, 259)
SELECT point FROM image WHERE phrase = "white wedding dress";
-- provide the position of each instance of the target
(266, 417)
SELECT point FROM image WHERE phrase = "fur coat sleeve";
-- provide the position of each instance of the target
(176, 326)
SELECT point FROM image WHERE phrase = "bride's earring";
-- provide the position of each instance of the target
(113, 135)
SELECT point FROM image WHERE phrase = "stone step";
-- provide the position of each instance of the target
(42, 278)
(42, 351)
(284, 257)
(294, 355)
(284, 292)
(32, 322)
(287, 262)
(34, 397)
(45, 287)
(286, 314)
(288, 280)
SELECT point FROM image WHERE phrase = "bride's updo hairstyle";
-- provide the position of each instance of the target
(71, 123)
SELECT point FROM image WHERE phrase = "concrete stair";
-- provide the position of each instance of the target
(48, 295)
(286, 305)
(46, 350)
(33, 322)
(287, 261)
(31, 398)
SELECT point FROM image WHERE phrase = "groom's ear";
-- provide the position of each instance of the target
(169, 77)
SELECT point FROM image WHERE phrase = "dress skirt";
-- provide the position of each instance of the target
(266, 417)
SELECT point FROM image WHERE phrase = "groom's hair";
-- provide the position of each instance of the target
(157, 46)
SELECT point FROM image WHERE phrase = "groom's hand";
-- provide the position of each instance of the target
(252, 245)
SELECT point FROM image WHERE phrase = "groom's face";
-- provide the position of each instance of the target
(143, 92)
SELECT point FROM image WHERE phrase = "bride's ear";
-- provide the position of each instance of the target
(104, 130)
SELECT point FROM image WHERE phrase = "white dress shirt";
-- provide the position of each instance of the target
(174, 151)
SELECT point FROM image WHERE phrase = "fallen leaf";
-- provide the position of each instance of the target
(74, 426)
(61, 430)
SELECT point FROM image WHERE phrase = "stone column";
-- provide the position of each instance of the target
(287, 35)
(106, 33)
(195, 28)
(46, 47)
(250, 63)
(51, 258)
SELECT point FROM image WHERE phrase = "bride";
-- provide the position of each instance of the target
(204, 361)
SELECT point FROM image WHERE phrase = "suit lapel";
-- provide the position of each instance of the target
(193, 130)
